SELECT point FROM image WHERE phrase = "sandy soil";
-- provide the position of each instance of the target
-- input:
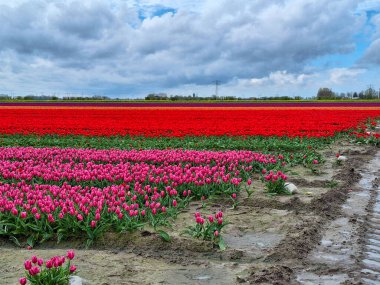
(313, 237)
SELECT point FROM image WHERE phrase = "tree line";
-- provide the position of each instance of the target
(327, 94)
(6, 97)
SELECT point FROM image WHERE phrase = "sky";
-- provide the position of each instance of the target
(130, 48)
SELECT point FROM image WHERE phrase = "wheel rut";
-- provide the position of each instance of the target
(370, 272)
(349, 251)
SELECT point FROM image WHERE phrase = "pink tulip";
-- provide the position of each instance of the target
(61, 260)
(34, 271)
(27, 264)
(14, 211)
(49, 264)
(51, 218)
(70, 254)
(72, 268)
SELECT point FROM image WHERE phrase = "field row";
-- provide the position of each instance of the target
(62, 193)
(183, 122)
(142, 104)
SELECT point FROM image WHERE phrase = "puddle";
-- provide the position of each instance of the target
(308, 278)
(336, 245)
(213, 274)
(252, 241)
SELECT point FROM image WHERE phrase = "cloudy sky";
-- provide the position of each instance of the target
(134, 47)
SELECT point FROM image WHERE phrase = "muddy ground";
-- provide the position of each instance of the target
(313, 237)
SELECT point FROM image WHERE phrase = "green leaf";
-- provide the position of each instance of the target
(89, 243)
(30, 241)
(164, 235)
(15, 240)
(221, 244)
(60, 236)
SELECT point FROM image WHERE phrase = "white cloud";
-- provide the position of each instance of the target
(342, 75)
(373, 5)
(187, 5)
(281, 78)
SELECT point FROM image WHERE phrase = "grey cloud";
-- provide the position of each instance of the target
(246, 39)
(221, 40)
(372, 54)
(84, 21)
(73, 32)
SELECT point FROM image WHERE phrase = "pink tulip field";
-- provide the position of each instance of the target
(52, 193)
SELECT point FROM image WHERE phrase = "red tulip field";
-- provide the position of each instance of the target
(184, 121)
(189, 190)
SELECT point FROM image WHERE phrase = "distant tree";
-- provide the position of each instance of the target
(5, 97)
(370, 93)
(154, 96)
(325, 94)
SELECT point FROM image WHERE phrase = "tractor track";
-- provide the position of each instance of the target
(370, 272)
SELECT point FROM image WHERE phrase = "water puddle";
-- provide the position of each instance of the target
(253, 244)
(308, 278)
(215, 274)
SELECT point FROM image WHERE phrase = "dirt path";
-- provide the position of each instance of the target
(317, 236)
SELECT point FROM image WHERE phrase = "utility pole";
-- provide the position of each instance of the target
(217, 82)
